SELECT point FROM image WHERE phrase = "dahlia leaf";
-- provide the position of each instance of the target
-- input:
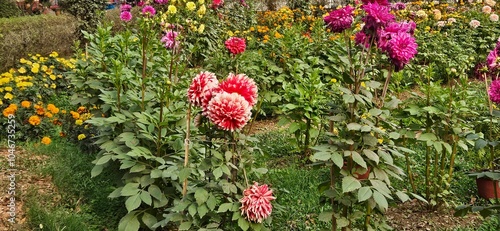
(185, 225)
(192, 209)
(325, 216)
(149, 220)
(129, 223)
(243, 224)
(350, 184)
(380, 200)
(371, 155)
(201, 195)
(364, 193)
(133, 202)
(211, 202)
(358, 159)
(202, 210)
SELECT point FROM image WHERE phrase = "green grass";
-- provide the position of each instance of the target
(84, 204)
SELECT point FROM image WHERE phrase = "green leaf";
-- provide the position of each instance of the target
(243, 224)
(294, 127)
(349, 184)
(217, 173)
(325, 216)
(149, 220)
(96, 170)
(156, 173)
(185, 225)
(129, 223)
(402, 196)
(130, 189)
(116, 193)
(184, 174)
(202, 210)
(323, 156)
(338, 159)
(371, 155)
(211, 202)
(133, 202)
(225, 207)
(104, 159)
(201, 195)
(155, 192)
(138, 168)
(192, 210)
(146, 198)
(353, 126)
(358, 159)
(380, 200)
(427, 137)
(348, 98)
(364, 193)
(342, 222)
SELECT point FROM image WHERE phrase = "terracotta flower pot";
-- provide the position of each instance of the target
(485, 188)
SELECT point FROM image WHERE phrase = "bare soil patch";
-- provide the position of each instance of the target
(413, 215)
(26, 178)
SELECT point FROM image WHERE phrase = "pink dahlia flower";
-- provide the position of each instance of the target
(474, 23)
(161, 2)
(217, 4)
(125, 7)
(401, 49)
(149, 11)
(398, 6)
(362, 39)
(494, 91)
(339, 20)
(492, 60)
(242, 85)
(140, 3)
(170, 39)
(235, 45)
(256, 202)
(229, 111)
(380, 2)
(376, 16)
(200, 88)
(126, 16)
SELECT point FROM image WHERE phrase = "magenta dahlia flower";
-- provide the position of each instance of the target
(235, 45)
(229, 111)
(125, 7)
(256, 202)
(380, 2)
(217, 3)
(148, 11)
(126, 16)
(362, 39)
(170, 39)
(398, 6)
(339, 20)
(242, 85)
(401, 49)
(200, 88)
(494, 91)
(161, 2)
(140, 3)
(376, 16)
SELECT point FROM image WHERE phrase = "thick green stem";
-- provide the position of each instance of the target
(368, 216)
(408, 168)
(332, 200)
(186, 147)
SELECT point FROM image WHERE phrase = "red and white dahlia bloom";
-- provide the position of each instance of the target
(229, 111)
(256, 202)
(241, 84)
(200, 88)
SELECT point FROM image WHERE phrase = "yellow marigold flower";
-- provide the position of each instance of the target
(79, 122)
(48, 115)
(52, 108)
(53, 77)
(54, 54)
(75, 115)
(46, 140)
(333, 80)
(10, 110)
(190, 6)
(8, 88)
(63, 111)
(201, 28)
(1, 103)
(26, 104)
(172, 9)
(8, 96)
(201, 2)
(22, 60)
(34, 120)
(21, 70)
(82, 136)
(45, 68)
(53, 86)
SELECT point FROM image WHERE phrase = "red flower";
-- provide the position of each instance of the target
(235, 45)
(256, 202)
(200, 88)
(242, 85)
(229, 111)
(217, 3)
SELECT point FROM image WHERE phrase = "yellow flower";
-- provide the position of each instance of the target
(26, 104)
(230, 33)
(34, 120)
(201, 11)
(10, 110)
(201, 2)
(190, 6)
(79, 122)
(52, 108)
(53, 86)
(46, 140)
(380, 141)
(35, 70)
(75, 115)
(8, 88)
(45, 68)
(333, 80)
(53, 77)
(22, 60)
(8, 96)
(363, 84)
(201, 28)
(82, 136)
(54, 54)
(21, 70)
(172, 9)
(48, 115)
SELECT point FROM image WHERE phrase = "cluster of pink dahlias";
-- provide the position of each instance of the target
(169, 40)
(125, 14)
(256, 202)
(493, 59)
(494, 91)
(148, 11)
(339, 20)
(227, 104)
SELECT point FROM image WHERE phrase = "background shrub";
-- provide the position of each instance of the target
(88, 12)
(8, 9)
(41, 34)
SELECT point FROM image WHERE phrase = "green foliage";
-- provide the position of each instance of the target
(8, 9)
(89, 12)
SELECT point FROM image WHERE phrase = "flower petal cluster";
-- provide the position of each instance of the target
(46, 140)
(474, 23)
(340, 20)
(217, 4)
(401, 49)
(380, 2)
(242, 85)
(229, 111)
(161, 2)
(169, 40)
(256, 202)
(125, 7)
(201, 87)
(235, 45)
(398, 6)
(148, 11)
(126, 16)
(494, 91)
(376, 16)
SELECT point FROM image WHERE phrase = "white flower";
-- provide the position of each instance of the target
(490, 2)
(474, 23)
(441, 23)
(486, 9)
(494, 17)
(452, 20)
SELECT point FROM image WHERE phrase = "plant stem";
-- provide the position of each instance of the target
(144, 64)
(186, 147)
(332, 200)
(386, 85)
(408, 168)
(428, 149)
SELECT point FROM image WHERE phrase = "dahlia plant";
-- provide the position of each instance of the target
(360, 138)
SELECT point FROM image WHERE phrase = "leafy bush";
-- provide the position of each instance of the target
(40, 34)
(8, 9)
(88, 12)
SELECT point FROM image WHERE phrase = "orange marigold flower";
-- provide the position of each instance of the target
(34, 120)
(46, 140)
(75, 115)
(9, 110)
(26, 104)
(52, 108)
(40, 111)
(81, 110)
(48, 114)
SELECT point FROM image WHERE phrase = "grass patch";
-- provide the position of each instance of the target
(83, 203)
